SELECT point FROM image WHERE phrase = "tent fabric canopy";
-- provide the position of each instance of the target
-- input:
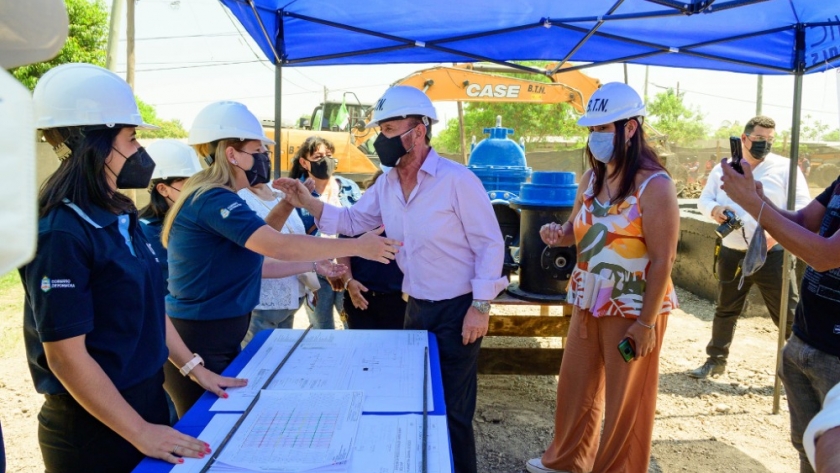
(749, 36)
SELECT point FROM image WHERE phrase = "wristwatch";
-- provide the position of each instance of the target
(482, 306)
(187, 368)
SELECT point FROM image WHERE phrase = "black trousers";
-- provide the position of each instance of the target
(731, 300)
(386, 311)
(459, 369)
(72, 440)
(217, 341)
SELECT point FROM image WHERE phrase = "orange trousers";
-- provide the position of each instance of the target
(595, 382)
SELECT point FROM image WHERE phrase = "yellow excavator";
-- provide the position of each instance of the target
(460, 83)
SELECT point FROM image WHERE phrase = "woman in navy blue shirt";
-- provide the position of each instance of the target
(94, 326)
(216, 243)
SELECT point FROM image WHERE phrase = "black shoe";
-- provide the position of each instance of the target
(708, 368)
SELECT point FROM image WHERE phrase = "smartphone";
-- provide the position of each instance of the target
(625, 347)
(736, 154)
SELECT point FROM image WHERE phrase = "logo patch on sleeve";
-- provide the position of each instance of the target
(837, 329)
(48, 284)
(225, 213)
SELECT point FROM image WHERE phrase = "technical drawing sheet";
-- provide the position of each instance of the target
(258, 370)
(387, 365)
(295, 431)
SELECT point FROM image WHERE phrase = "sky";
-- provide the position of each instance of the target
(190, 53)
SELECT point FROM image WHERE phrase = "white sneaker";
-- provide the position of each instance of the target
(535, 465)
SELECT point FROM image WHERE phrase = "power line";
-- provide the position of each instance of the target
(734, 99)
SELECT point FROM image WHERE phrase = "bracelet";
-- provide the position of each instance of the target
(649, 327)
(758, 220)
(346, 283)
(187, 368)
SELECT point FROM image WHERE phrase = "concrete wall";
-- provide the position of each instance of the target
(695, 256)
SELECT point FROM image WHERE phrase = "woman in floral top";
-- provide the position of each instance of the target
(625, 224)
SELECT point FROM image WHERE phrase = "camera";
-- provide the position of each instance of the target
(731, 223)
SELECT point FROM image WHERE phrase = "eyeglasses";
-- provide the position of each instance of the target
(761, 139)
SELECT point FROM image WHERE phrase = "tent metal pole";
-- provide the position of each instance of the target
(278, 117)
(788, 263)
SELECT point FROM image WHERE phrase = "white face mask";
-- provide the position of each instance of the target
(601, 145)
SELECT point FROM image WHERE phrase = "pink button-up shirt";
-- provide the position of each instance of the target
(453, 244)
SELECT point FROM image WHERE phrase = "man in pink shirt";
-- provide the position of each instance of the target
(453, 248)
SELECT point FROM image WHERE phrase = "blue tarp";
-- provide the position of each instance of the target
(752, 36)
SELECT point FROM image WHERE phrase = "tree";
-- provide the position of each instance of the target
(726, 130)
(86, 41)
(534, 122)
(669, 114)
(812, 131)
(531, 121)
(168, 128)
(832, 135)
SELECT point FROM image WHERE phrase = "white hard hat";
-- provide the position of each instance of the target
(226, 120)
(78, 94)
(614, 101)
(173, 159)
(401, 101)
(32, 31)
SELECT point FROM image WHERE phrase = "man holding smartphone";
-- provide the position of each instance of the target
(772, 171)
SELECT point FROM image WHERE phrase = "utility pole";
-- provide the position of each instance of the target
(114, 35)
(463, 132)
(626, 81)
(759, 96)
(129, 32)
(647, 75)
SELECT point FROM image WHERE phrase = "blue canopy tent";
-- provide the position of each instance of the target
(793, 37)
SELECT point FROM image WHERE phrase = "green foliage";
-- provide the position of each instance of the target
(86, 41)
(532, 121)
(168, 128)
(832, 135)
(812, 130)
(8, 280)
(724, 132)
(669, 114)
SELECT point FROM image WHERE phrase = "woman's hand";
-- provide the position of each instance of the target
(552, 233)
(373, 247)
(330, 269)
(167, 444)
(643, 338)
(215, 383)
(355, 289)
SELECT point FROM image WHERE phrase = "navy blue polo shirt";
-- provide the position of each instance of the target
(151, 228)
(377, 277)
(94, 274)
(212, 275)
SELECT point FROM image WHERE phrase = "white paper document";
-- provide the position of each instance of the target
(258, 370)
(383, 444)
(393, 444)
(386, 364)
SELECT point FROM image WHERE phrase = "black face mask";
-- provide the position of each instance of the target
(760, 149)
(137, 171)
(322, 169)
(390, 150)
(260, 172)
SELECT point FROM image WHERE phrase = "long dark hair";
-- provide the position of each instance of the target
(629, 160)
(158, 205)
(81, 177)
(309, 146)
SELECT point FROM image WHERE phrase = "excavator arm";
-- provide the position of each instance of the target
(475, 83)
